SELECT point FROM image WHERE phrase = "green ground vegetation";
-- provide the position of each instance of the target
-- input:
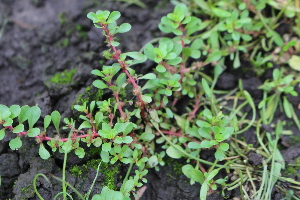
(109, 171)
(140, 113)
(292, 169)
(88, 95)
(63, 78)
(175, 164)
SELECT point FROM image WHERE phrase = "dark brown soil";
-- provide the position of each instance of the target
(44, 37)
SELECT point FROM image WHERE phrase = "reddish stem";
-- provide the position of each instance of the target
(182, 67)
(203, 170)
(41, 137)
(116, 56)
(120, 104)
(123, 114)
(94, 130)
(196, 107)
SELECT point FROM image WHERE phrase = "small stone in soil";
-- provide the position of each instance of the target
(255, 158)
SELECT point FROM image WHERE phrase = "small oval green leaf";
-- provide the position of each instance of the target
(85, 124)
(18, 128)
(24, 114)
(153, 161)
(15, 143)
(220, 12)
(106, 147)
(43, 152)
(146, 98)
(2, 134)
(125, 27)
(113, 16)
(35, 113)
(148, 76)
(80, 152)
(206, 88)
(174, 152)
(194, 145)
(47, 121)
(15, 111)
(99, 84)
(33, 132)
(55, 117)
(214, 56)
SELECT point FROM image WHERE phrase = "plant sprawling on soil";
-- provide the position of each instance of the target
(188, 99)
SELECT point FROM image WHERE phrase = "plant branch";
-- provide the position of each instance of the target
(124, 66)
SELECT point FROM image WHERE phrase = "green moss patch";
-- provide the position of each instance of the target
(90, 94)
(291, 170)
(110, 172)
(63, 78)
(177, 166)
(294, 140)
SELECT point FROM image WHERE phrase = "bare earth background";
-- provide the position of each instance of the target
(44, 37)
